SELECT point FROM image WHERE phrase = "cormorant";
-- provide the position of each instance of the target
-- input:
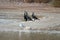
(33, 16)
(26, 17)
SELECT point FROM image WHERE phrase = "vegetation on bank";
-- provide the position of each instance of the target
(56, 3)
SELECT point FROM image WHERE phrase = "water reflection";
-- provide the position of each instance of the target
(29, 35)
(39, 35)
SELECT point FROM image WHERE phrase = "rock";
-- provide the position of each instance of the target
(27, 28)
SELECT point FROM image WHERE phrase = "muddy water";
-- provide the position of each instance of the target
(39, 35)
(15, 34)
(29, 35)
(9, 35)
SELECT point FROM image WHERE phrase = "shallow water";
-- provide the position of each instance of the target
(39, 36)
(9, 35)
(29, 35)
(40, 31)
(13, 33)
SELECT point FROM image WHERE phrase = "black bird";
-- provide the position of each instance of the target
(26, 17)
(34, 17)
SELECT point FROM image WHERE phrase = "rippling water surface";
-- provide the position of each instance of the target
(39, 35)
(30, 35)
